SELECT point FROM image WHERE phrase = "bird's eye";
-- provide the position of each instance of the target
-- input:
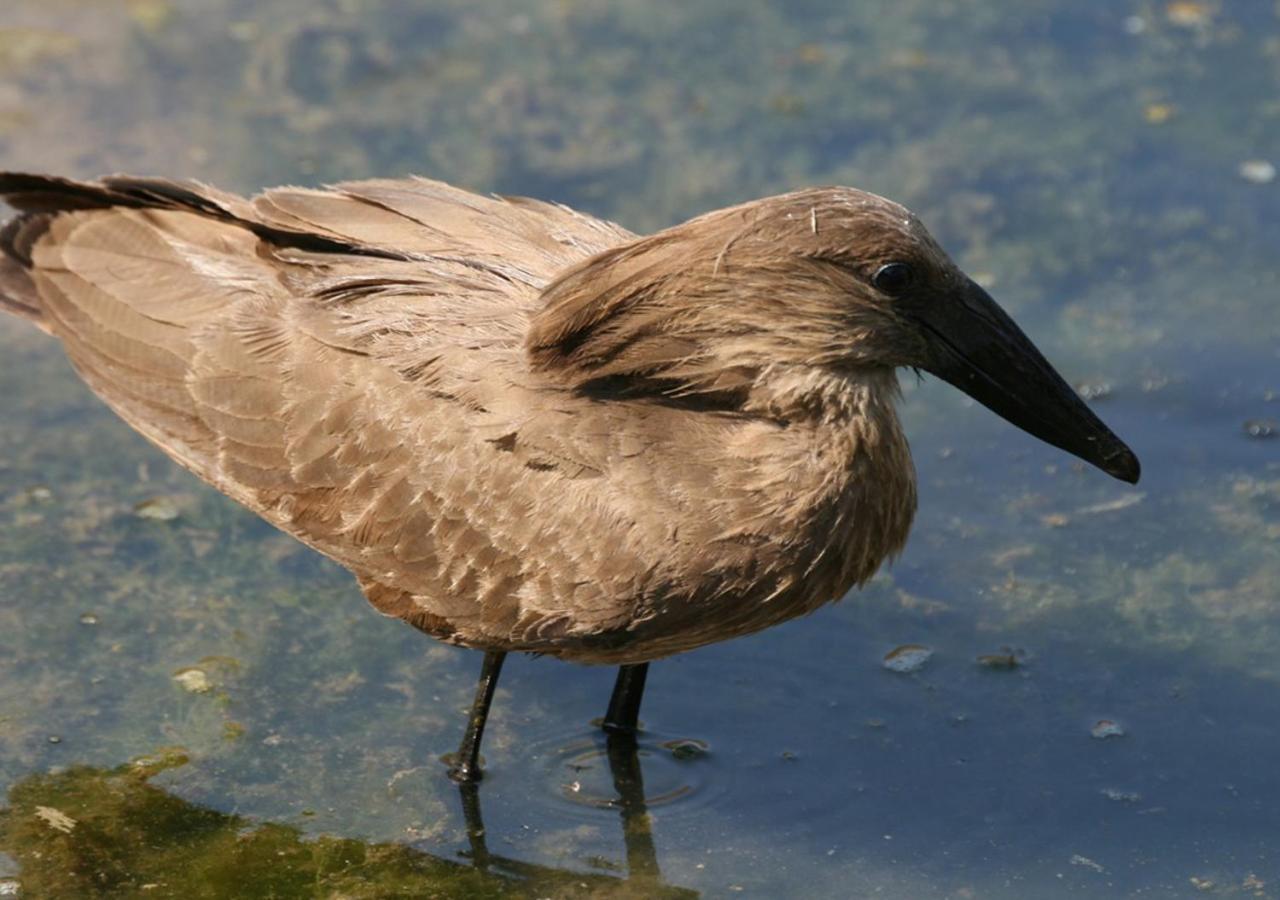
(893, 278)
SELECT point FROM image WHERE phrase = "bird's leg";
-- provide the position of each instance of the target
(466, 763)
(624, 705)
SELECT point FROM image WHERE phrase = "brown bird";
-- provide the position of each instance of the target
(522, 427)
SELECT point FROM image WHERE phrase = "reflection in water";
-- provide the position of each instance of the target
(644, 877)
(86, 831)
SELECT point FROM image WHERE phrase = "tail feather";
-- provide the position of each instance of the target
(39, 198)
(46, 193)
(18, 293)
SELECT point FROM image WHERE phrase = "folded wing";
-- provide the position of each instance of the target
(341, 361)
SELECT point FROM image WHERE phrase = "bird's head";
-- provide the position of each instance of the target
(830, 280)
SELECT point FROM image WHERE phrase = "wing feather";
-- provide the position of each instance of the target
(347, 362)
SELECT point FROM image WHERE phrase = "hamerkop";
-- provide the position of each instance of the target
(522, 427)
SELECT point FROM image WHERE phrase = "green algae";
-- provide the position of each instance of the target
(89, 832)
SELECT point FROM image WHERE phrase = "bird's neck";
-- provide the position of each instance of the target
(847, 449)
(862, 399)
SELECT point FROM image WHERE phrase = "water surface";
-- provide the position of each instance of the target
(212, 707)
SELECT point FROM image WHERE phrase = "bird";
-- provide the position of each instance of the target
(524, 428)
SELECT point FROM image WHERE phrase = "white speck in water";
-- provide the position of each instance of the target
(1094, 390)
(1121, 796)
(56, 819)
(1135, 25)
(88, 619)
(1258, 171)
(907, 658)
(1078, 860)
(1124, 502)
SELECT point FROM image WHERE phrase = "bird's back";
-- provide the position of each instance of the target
(335, 360)
(352, 365)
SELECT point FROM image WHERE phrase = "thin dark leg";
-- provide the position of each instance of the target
(466, 764)
(624, 705)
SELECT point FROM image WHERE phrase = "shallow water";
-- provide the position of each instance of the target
(1099, 166)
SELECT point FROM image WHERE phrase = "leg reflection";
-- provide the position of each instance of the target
(643, 873)
(628, 781)
(469, 791)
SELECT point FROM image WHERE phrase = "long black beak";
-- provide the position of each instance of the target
(975, 346)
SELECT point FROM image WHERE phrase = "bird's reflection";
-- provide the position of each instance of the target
(86, 831)
(644, 876)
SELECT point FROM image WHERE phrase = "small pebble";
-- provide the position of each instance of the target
(1261, 428)
(1188, 14)
(1093, 390)
(88, 619)
(685, 748)
(194, 680)
(54, 739)
(1258, 171)
(907, 658)
(1106, 728)
(159, 509)
(999, 661)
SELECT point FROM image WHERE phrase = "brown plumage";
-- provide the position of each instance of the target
(521, 427)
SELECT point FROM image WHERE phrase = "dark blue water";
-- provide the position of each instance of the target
(1101, 167)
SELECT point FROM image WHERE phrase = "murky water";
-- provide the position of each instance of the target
(194, 705)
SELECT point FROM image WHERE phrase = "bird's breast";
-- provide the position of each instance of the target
(770, 524)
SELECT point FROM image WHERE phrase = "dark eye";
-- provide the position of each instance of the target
(893, 278)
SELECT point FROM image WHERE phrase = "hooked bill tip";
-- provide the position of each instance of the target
(1125, 466)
